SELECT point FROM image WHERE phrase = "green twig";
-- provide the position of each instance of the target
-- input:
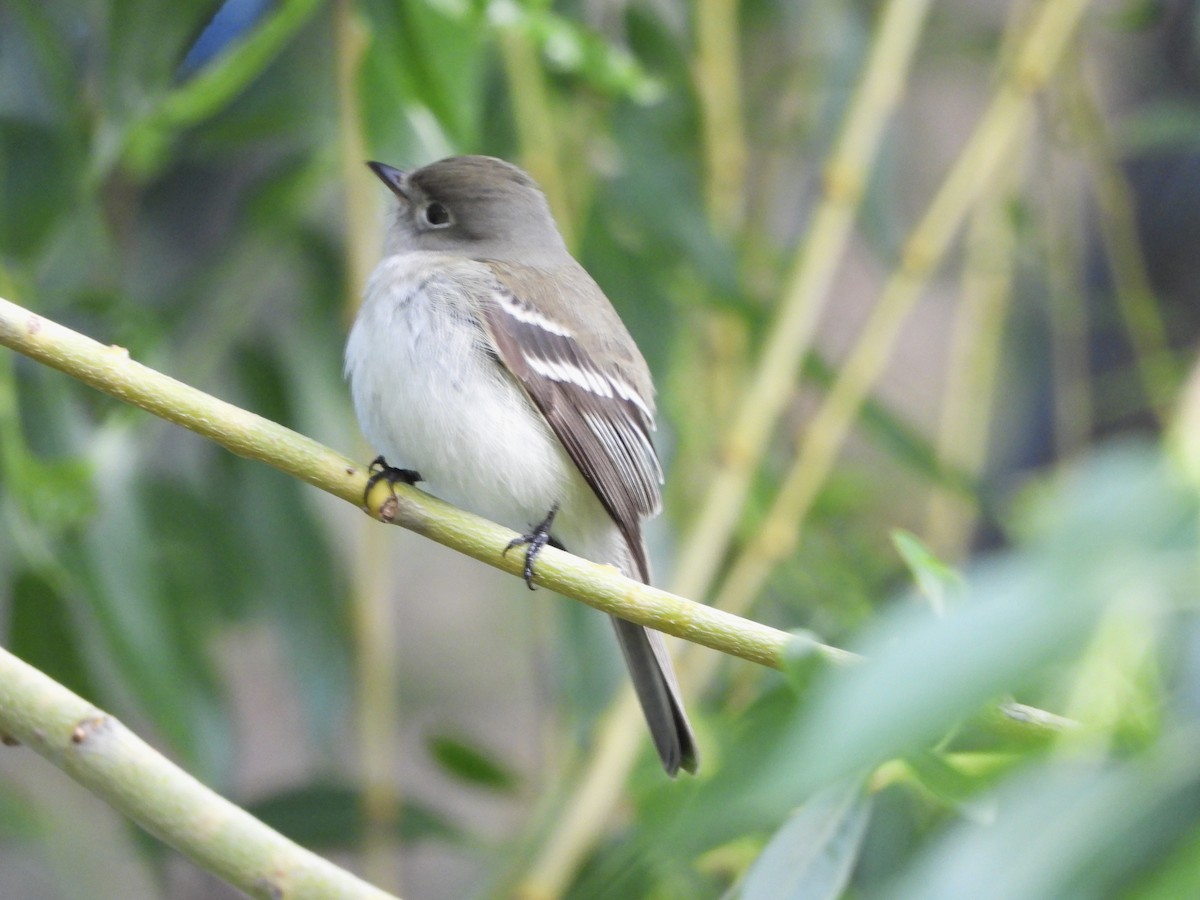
(975, 346)
(718, 85)
(110, 369)
(107, 758)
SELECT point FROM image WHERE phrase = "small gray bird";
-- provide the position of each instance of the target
(485, 358)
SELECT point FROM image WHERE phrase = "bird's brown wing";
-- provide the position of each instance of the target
(595, 408)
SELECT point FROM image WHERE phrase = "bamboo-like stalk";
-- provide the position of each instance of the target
(717, 73)
(804, 294)
(1159, 371)
(1066, 307)
(977, 166)
(1184, 436)
(537, 132)
(376, 656)
(975, 343)
(974, 359)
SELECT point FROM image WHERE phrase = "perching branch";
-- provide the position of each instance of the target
(111, 370)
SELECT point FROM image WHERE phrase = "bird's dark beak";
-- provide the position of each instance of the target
(395, 179)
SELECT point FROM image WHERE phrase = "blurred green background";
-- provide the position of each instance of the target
(1006, 519)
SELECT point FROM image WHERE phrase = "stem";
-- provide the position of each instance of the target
(103, 755)
(971, 370)
(718, 83)
(372, 612)
(537, 130)
(804, 294)
(1137, 302)
(976, 167)
(110, 370)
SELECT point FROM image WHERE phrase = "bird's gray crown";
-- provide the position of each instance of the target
(478, 206)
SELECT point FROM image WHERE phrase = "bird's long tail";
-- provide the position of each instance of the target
(658, 692)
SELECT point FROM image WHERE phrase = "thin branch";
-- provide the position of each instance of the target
(974, 359)
(115, 764)
(1137, 301)
(111, 370)
(537, 131)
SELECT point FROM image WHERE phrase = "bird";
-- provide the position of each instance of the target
(488, 363)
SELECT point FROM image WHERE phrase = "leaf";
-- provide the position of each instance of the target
(423, 78)
(1117, 524)
(139, 626)
(934, 578)
(17, 814)
(570, 48)
(330, 816)
(39, 175)
(1064, 829)
(41, 631)
(146, 145)
(469, 763)
(812, 855)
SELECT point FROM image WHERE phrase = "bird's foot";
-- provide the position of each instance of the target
(379, 470)
(535, 540)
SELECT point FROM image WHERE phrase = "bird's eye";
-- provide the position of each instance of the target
(437, 215)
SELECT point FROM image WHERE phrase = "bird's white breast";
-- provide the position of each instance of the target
(431, 396)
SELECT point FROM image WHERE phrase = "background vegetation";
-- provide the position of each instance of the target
(920, 300)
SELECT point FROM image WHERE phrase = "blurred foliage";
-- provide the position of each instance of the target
(174, 182)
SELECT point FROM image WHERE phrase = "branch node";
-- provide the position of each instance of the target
(88, 727)
(389, 509)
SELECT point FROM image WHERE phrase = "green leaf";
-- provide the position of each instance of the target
(571, 48)
(140, 627)
(934, 578)
(42, 631)
(17, 814)
(812, 855)
(1117, 524)
(467, 762)
(40, 173)
(148, 140)
(330, 816)
(1064, 829)
(423, 78)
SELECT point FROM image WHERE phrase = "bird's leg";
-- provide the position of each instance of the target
(535, 540)
(379, 470)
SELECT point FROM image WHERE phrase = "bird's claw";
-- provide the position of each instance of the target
(535, 540)
(379, 470)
